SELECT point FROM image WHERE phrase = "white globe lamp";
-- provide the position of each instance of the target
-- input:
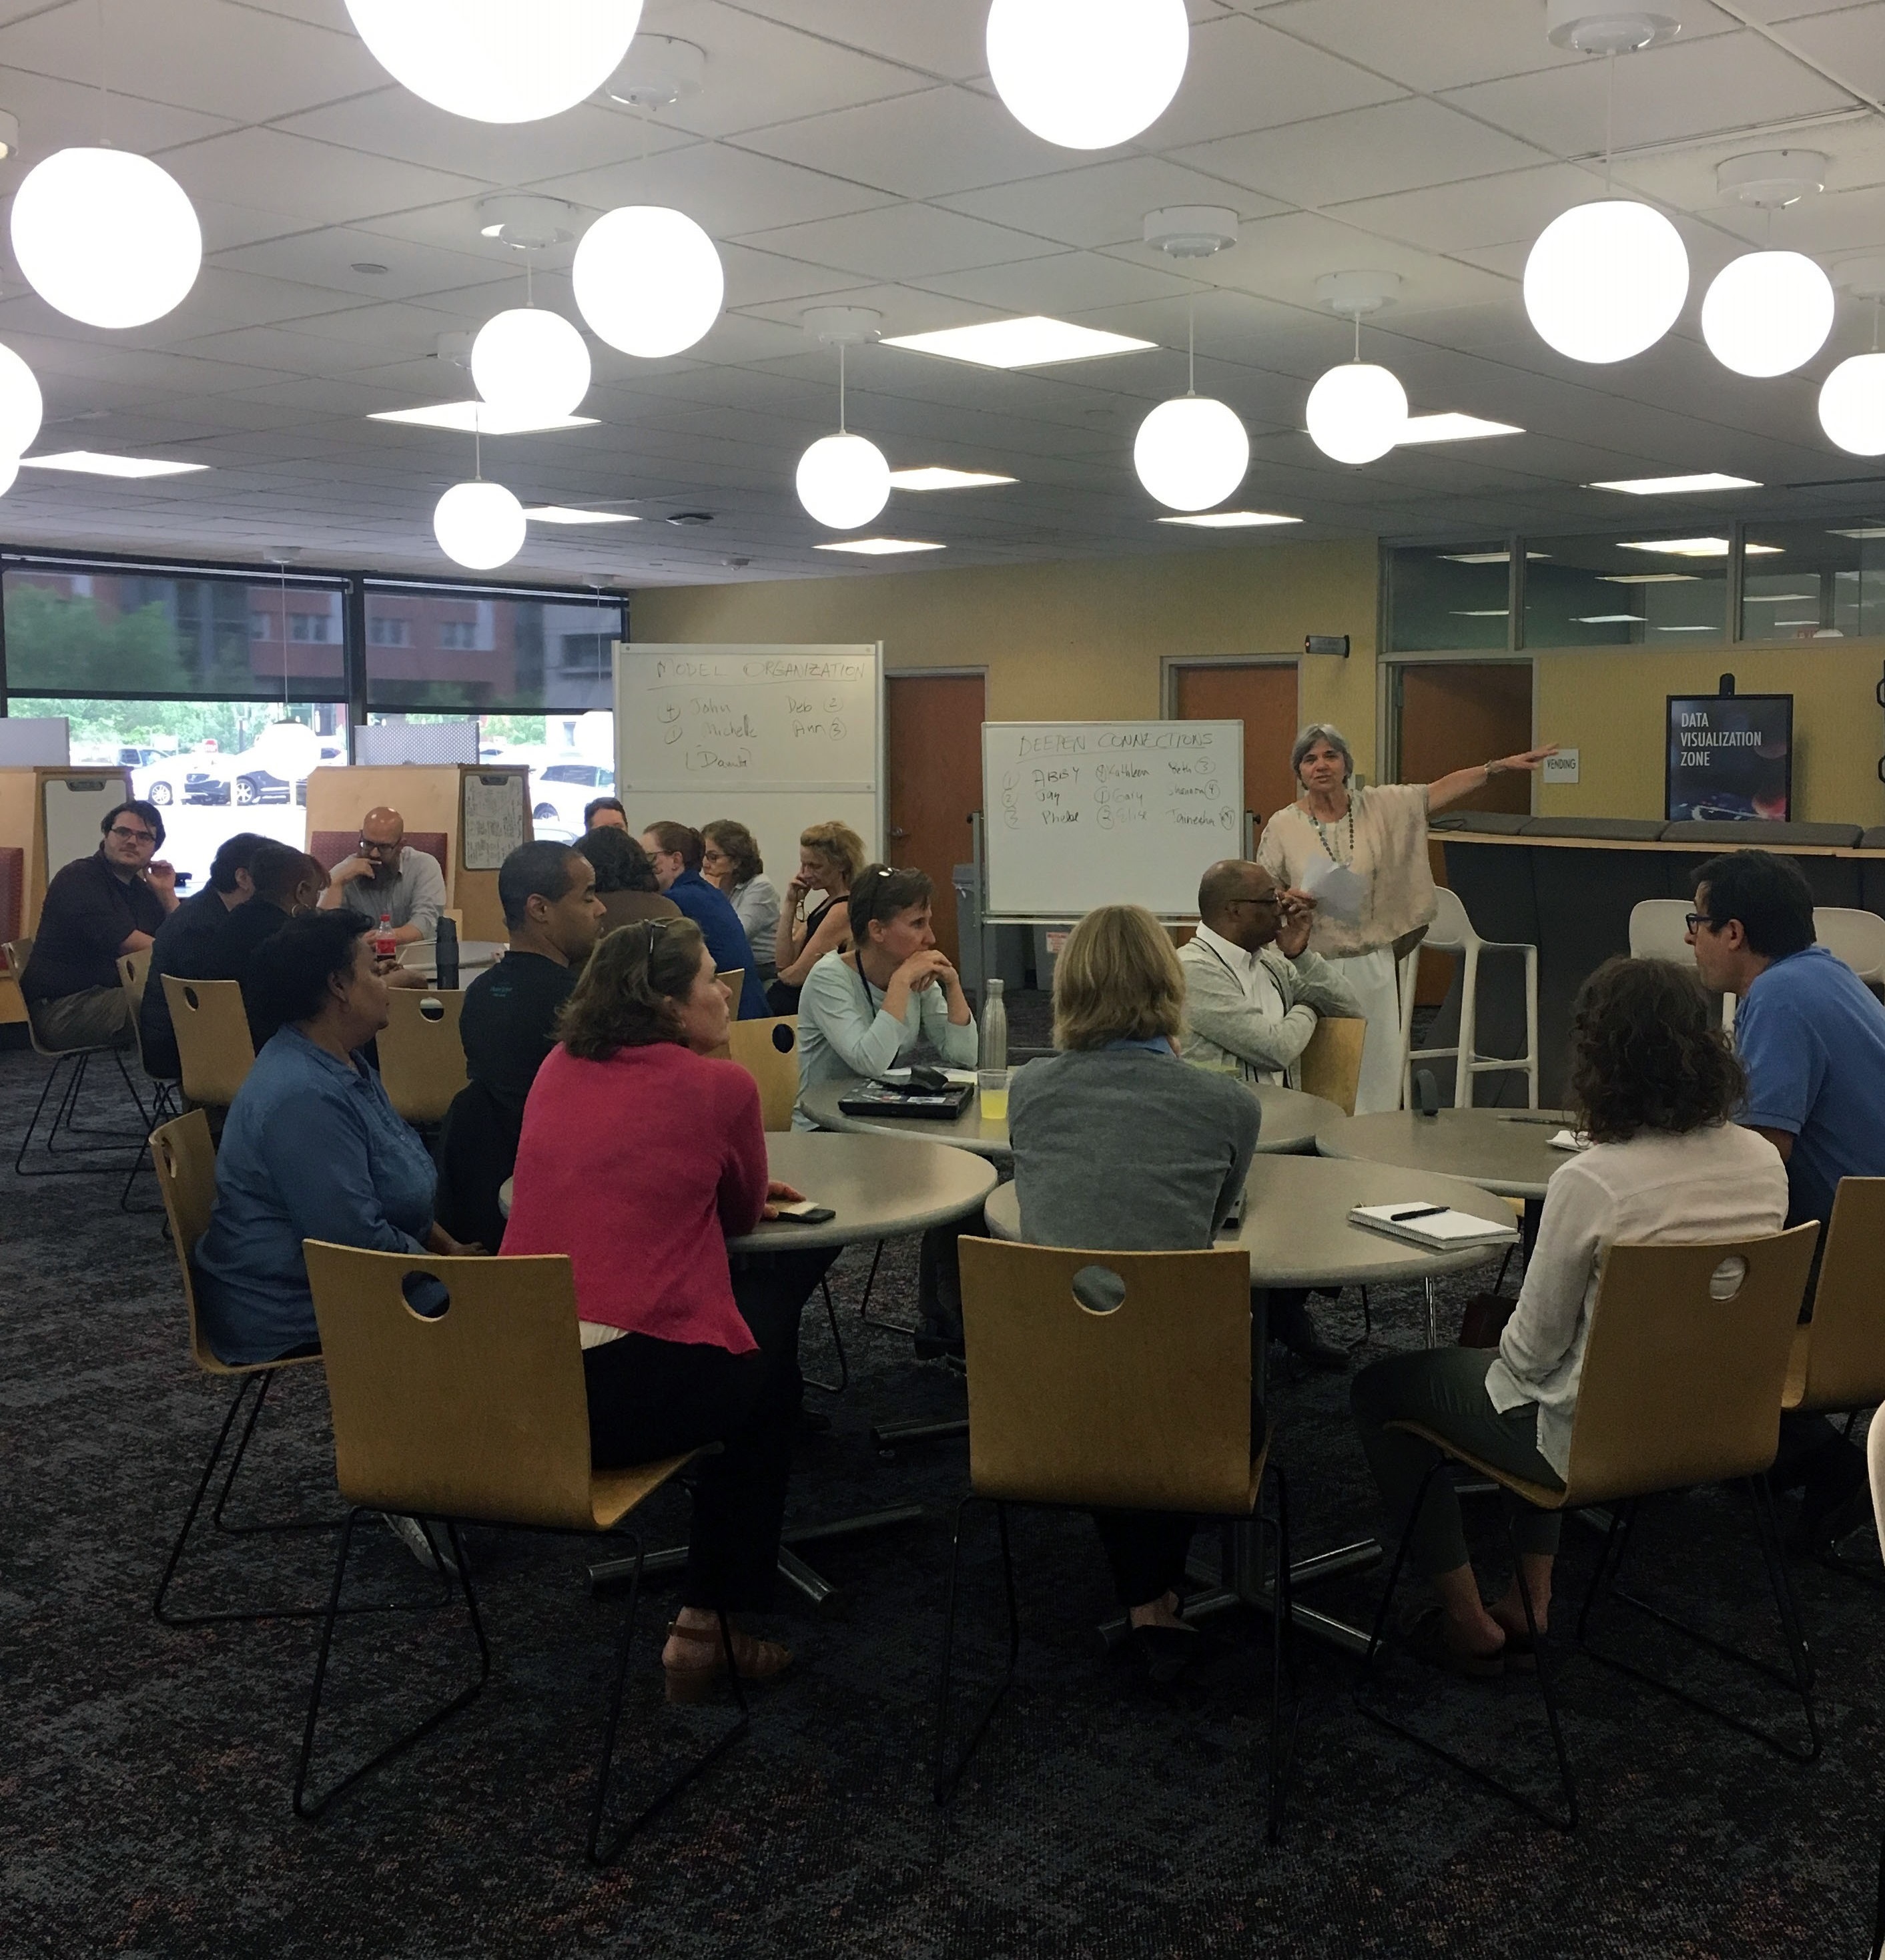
(844, 481)
(1606, 280)
(1088, 74)
(1357, 412)
(498, 61)
(534, 366)
(1852, 405)
(106, 237)
(22, 408)
(1191, 452)
(1767, 312)
(648, 280)
(9, 473)
(480, 526)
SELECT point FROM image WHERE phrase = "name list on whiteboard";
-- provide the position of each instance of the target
(1121, 780)
(762, 720)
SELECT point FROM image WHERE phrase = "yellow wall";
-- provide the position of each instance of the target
(1608, 704)
(1071, 641)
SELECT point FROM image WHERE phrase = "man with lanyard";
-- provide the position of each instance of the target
(1253, 993)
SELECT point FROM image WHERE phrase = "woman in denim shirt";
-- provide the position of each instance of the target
(311, 1149)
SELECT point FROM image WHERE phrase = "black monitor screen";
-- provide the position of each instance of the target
(1730, 757)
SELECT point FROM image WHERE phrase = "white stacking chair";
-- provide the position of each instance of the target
(1659, 929)
(1452, 931)
(1858, 938)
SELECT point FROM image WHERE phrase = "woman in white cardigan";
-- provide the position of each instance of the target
(1381, 835)
(1656, 1087)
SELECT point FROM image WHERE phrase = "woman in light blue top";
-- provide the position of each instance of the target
(864, 1011)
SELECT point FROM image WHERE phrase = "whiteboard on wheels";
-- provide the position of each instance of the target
(779, 737)
(1085, 813)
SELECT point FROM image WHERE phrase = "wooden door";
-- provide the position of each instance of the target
(1262, 698)
(933, 752)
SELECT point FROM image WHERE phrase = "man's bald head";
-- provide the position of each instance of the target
(383, 826)
(1236, 899)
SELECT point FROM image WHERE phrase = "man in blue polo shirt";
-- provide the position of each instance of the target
(675, 850)
(1811, 1036)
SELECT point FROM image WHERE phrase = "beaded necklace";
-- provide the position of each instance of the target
(1323, 834)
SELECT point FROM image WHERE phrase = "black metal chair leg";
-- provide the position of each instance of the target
(863, 1306)
(837, 1387)
(947, 1775)
(600, 1853)
(1282, 1750)
(163, 1107)
(304, 1807)
(39, 1110)
(1545, 1667)
(1878, 1916)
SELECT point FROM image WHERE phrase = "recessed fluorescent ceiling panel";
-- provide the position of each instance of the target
(1487, 558)
(1450, 428)
(1034, 341)
(467, 416)
(1777, 598)
(1230, 520)
(1867, 531)
(89, 463)
(1675, 486)
(561, 514)
(1700, 548)
(1649, 578)
(878, 547)
(1610, 618)
(937, 478)
(1491, 612)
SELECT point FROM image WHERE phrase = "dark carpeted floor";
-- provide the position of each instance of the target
(144, 1773)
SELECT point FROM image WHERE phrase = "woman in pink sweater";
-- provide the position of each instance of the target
(641, 1156)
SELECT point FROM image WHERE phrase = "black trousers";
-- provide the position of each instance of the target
(1147, 1549)
(649, 1398)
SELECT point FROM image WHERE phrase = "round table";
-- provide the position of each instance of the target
(474, 956)
(1292, 1120)
(1297, 1229)
(1504, 1150)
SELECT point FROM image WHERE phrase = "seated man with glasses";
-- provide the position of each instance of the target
(1253, 993)
(95, 909)
(387, 878)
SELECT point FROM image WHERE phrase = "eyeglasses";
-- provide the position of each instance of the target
(1268, 898)
(370, 849)
(133, 836)
(1695, 921)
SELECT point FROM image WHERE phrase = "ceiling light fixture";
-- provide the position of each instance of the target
(532, 366)
(106, 237)
(1486, 557)
(22, 407)
(9, 134)
(843, 480)
(90, 462)
(659, 72)
(563, 514)
(935, 477)
(1649, 577)
(1675, 486)
(1452, 428)
(1034, 340)
(1231, 521)
(1610, 619)
(479, 525)
(498, 64)
(1088, 74)
(1767, 312)
(648, 280)
(1852, 397)
(1700, 548)
(878, 547)
(1357, 413)
(478, 418)
(1862, 531)
(1192, 452)
(528, 221)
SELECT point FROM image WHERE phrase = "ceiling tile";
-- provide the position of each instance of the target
(1850, 43)
(268, 170)
(1487, 210)
(1071, 284)
(732, 193)
(327, 257)
(938, 39)
(1105, 203)
(902, 242)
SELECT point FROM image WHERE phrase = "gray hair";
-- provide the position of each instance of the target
(1322, 731)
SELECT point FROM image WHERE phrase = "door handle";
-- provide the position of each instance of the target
(899, 835)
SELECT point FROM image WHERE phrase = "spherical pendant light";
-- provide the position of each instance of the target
(1852, 405)
(844, 481)
(1357, 412)
(106, 237)
(1191, 452)
(648, 280)
(1766, 312)
(1606, 280)
(1088, 74)
(22, 408)
(533, 365)
(9, 473)
(480, 526)
(499, 61)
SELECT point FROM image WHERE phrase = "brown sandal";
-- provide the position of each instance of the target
(693, 1680)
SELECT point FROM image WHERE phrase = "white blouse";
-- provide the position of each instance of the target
(1383, 839)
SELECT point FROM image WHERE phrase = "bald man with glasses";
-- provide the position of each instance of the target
(387, 878)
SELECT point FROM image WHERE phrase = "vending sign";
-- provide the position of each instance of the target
(1729, 759)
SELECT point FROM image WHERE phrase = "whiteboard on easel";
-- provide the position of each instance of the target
(1083, 813)
(76, 808)
(778, 737)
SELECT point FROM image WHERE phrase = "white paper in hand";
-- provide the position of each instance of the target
(1338, 892)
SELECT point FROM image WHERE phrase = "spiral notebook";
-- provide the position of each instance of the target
(1435, 1226)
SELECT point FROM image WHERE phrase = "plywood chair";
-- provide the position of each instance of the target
(421, 1056)
(475, 1412)
(733, 980)
(1684, 1370)
(65, 1137)
(213, 1042)
(1332, 1063)
(1115, 1381)
(134, 971)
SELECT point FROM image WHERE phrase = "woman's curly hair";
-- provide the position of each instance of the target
(629, 994)
(1643, 1055)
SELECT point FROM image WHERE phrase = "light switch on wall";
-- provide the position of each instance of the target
(1561, 768)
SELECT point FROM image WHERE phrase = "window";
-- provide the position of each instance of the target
(588, 776)
(1818, 581)
(313, 627)
(459, 635)
(1646, 588)
(1452, 597)
(261, 627)
(384, 630)
(484, 650)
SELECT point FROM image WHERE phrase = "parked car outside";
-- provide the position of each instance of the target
(560, 791)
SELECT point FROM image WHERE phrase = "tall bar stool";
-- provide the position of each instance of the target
(1452, 931)
(1857, 937)
(1659, 929)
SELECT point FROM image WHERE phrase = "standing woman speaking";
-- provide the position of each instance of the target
(1381, 835)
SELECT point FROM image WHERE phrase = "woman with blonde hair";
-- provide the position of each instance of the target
(831, 855)
(1118, 1147)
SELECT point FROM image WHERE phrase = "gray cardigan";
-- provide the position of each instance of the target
(1224, 1026)
(1124, 1150)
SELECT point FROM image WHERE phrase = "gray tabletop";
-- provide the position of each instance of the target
(1505, 1151)
(474, 956)
(1292, 1120)
(1296, 1226)
(879, 1188)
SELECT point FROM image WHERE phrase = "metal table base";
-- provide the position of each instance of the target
(792, 1569)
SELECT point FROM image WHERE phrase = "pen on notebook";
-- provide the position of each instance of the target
(1418, 1212)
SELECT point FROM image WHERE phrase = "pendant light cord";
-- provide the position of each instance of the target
(281, 566)
(477, 444)
(1191, 347)
(529, 288)
(1609, 119)
(104, 81)
(840, 388)
(1358, 335)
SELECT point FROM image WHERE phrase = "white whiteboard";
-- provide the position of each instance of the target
(76, 808)
(779, 737)
(1086, 813)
